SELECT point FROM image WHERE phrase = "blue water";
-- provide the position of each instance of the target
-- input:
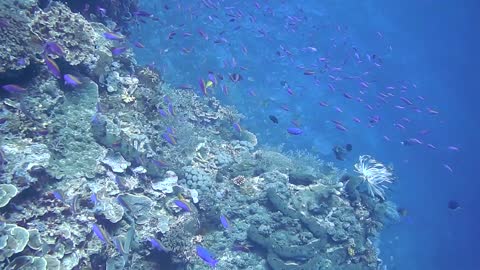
(434, 53)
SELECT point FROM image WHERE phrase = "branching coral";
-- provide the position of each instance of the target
(374, 175)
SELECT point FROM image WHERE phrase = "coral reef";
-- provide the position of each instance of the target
(123, 171)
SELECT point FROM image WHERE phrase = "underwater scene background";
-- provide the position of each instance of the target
(218, 134)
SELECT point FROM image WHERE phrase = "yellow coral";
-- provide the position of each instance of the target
(351, 251)
(127, 97)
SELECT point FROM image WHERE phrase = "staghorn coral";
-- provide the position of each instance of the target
(374, 174)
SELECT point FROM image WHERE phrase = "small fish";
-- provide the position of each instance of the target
(341, 127)
(119, 245)
(101, 234)
(141, 13)
(402, 211)
(118, 50)
(309, 72)
(448, 167)
(453, 148)
(53, 48)
(453, 205)
(53, 67)
(212, 78)
(171, 109)
(169, 138)
(170, 131)
(139, 45)
(74, 206)
(411, 141)
(348, 147)
(58, 194)
(323, 104)
(237, 127)
(235, 77)
(431, 146)
(71, 80)
(205, 255)
(273, 119)
(432, 111)
(160, 163)
(295, 131)
(13, 88)
(185, 86)
(406, 101)
(225, 222)
(183, 205)
(157, 244)
(203, 87)
(113, 36)
(225, 89)
(94, 199)
(120, 183)
(163, 113)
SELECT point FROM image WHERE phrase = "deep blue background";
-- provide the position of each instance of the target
(435, 45)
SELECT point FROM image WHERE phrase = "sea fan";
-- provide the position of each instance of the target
(374, 175)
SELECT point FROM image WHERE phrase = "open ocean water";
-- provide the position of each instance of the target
(396, 80)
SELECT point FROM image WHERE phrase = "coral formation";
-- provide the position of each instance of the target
(7, 192)
(125, 172)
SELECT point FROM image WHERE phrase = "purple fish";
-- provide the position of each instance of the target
(170, 131)
(71, 80)
(142, 13)
(411, 141)
(182, 205)
(171, 109)
(237, 127)
(224, 222)
(157, 244)
(203, 87)
(53, 48)
(58, 194)
(162, 112)
(212, 78)
(167, 100)
(341, 127)
(160, 163)
(118, 50)
(101, 234)
(205, 255)
(13, 88)
(113, 36)
(139, 45)
(119, 245)
(53, 67)
(93, 198)
(295, 131)
(169, 138)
